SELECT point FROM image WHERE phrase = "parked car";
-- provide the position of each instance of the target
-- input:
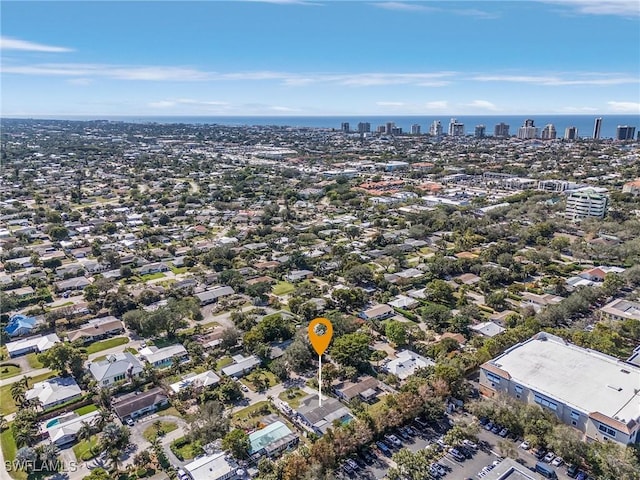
(393, 440)
(496, 429)
(384, 448)
(525, 445)
(129, 421)
(581, 475)
(403, 435)
(455, 453)
(470, 444)
(410, 431)
(438, 468)
(503, 433)
(572, 470)
(539, 453)
(347, 469)
(354, 466)
(488, 426)
(483, 421)
(556, 462)
(548, 457)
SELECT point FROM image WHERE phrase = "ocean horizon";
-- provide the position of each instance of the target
(584, 123)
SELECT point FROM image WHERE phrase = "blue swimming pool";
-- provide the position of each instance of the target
(53, 422)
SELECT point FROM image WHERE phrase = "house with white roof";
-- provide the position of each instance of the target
(33, 344)
(406, 363)
(241, 366)
(64, 430)
(115, 368)
(163, 357)
(197, 381)
(218, 466)
(54, 391)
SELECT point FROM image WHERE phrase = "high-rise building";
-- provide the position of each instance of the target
(435, 130)
(586, 203)
(625, 132)
(571, 133)
(389, 128)
(501, 130)
(549, 132)
(364, 127)
(381, 129)
(528, 130)
(345, 127)
(415, 129)
(480, 131)
(597, 127)
(456, 129)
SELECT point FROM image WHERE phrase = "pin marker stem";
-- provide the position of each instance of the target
(319, 380)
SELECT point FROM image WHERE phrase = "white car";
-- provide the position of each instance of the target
(525, 445)
(557, 461)
(470, 444)
(548, 457)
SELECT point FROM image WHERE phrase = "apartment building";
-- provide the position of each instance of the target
(586, 203)
(595, 393)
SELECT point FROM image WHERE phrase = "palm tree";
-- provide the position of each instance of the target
(85, 432)
(18, 393)
(104, 416)
(114, 458)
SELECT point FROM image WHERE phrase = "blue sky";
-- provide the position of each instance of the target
(295, 57)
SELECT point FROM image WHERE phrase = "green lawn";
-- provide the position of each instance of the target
(252, 382)
(224, 362)
(249, 417)
(293, 397)
(7, 405)
(8, 444)
(65, 304)
(152, 276)
(7, 371)
(104, 344)
(178, 270)
(34, 361)
(282, 288)
(86, 449)
(150, 432)
(186, 451)
(171, 411)
(86, 409)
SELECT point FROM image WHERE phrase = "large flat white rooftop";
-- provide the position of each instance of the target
(587, 380)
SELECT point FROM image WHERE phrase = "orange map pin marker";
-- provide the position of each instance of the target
(320, 333)
(320, 341)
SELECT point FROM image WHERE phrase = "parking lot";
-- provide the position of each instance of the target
(454, 469)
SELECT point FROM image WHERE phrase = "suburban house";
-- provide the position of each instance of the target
(150, 268)
(593, 392)
(96, 329)
(378, 312)
(196, 381)
(402, 301)
(241, 366)
(218, 466)
(37, 344)
(488, 329)
(406, 363)
(366, 388)
(136, 404)
(54, 391)
(271, 440)
(78, 283)
(297, 275)
(64, 429)
(621, 309)
(538, 302)
(20, 325)
(212, 296)
(320, 418)
(163, 357)
(115, 368)
(598, 274)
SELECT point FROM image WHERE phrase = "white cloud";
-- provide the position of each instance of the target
(187, 101)
(554, 80)
(7, 43)
(483, 104)
(80, 82)
(119, 72)
(437, 105)
(624, 8)
(390, 104)
(624, 107)
(406, 7)
(474, 12)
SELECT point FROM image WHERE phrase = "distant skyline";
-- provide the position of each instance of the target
(296, 57)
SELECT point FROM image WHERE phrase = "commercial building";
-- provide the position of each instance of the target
(364, 127)
(480, 131)
(509, 469)
(501, 130)
(595, 393)
(528, 130)
(597, 128)
(435, 130)
(345, 127)
(571, 133)
(586, 203)
(415, 129)
(456, 129)
(549, 132)
(625, 132)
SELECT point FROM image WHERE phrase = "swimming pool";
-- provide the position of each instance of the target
(53, 422)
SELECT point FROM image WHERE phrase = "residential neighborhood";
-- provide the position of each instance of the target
(157, 281)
